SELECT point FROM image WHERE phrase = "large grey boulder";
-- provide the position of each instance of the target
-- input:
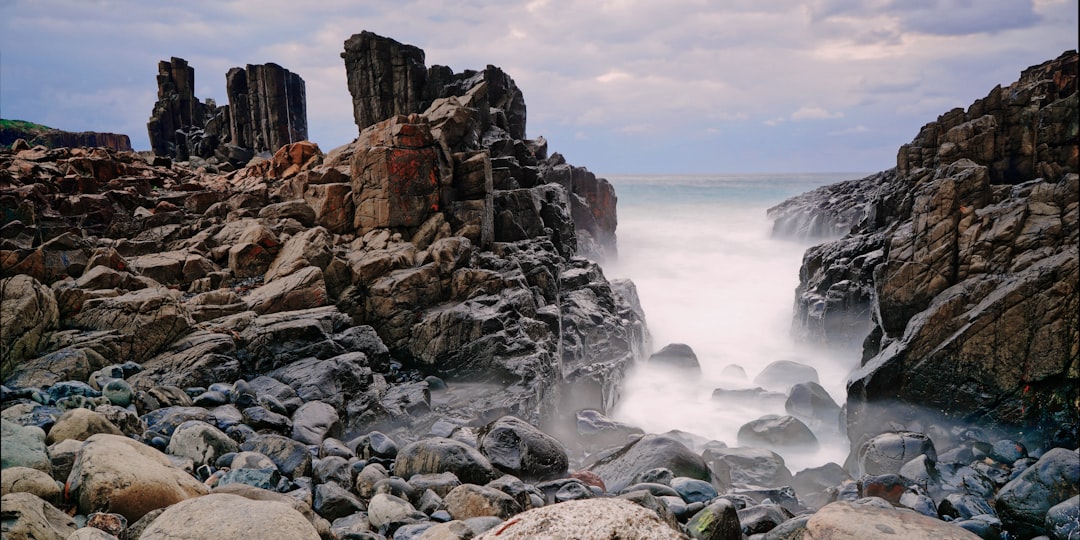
(224, 515)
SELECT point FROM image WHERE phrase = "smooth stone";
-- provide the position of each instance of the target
(223, 515)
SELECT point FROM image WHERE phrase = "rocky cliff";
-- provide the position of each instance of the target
(961, 272)
(33, 134)
(267, 109)
(426, 274)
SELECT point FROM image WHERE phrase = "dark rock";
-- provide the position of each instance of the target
(676, 355)
(812, 403)
(751, 466)
(888, 452)
(1063, 519)
(781, 432)
(385, 78)
(762, 518)
(1023, 503)
(813, 485)
(718, 521)
(520, 449)
(649, 452)
(268, 108)
(332, 501)
(437, 455)
(292, 458)
(783, 374)
(693, 490)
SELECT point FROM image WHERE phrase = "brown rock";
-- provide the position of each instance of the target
(120, 475)
(29, 311)
(80, 424)
(850, 521)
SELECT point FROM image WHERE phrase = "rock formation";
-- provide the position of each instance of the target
(268, 107)
(479, 112)
(962, 272)
(33, 134)
(267, 110)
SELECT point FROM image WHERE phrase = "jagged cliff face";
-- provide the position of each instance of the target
(963, 271)
(436, 244)
(267, 109)
(56, 138)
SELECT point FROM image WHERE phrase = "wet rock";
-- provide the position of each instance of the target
(812, 485)
(781, 375)
(1063, 519)
(717, 521)
(1024, 502)
(520, 449)
(384, 509)
(292, 458)
(649, 452)
(678, 356)
(750, 466)
(762, 518)
(200, 442)
(333, 501)
(314, 421)
(437, 455)
(888, 452)
(779, 432)
(693, 490)
(811, 403)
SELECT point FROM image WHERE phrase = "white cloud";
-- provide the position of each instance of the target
(809, 112)
(586, 68)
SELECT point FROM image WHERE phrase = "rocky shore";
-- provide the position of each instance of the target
(411, 336)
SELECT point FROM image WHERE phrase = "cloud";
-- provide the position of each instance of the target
(603, 80)
(850, 131)
(809, 112)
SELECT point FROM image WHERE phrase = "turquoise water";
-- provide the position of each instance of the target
(709, 274)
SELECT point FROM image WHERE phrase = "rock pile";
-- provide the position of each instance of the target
(962, 273)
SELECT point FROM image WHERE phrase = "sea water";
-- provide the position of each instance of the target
(710, 274)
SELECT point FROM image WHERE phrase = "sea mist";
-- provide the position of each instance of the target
(709, 274)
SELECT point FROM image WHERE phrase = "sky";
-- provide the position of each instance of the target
(617, 86)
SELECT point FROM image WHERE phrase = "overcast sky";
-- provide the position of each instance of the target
(618, 86)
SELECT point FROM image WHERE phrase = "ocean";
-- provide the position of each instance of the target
(709, 274)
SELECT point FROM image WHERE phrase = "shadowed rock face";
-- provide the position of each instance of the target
(963, 270)
(267, 110)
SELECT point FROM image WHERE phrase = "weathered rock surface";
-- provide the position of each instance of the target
(587, 519)
(223, 515)
(26, 516)
(267, 107)
(34, 135)
(961, 271)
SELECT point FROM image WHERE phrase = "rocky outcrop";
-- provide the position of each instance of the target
(267, 109)
(963, 271)
(469, 113)
(33, 134)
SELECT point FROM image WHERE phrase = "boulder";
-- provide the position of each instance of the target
(591, 519)
(26, 516)
(777, 432)
(783, 374)
(676, 355)
(649, 452)
(147, 320)
(127, 477)
(302, 289)
(852, 521)
(1024, 502)
(314, 421)
(750, 466)
(24, 446)
(224, 515)
(33, 481)
(29, 311)
(436, 455)
(888, 452)
(469, 501)
(80, 424)
(292, 458)
(200, 442)
(517, 448)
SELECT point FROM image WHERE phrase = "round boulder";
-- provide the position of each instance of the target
(33, 481)
(602, 518)
(853, 521)
(1024, 502)
(515, 447)
(783, 374)
(437, 454)
(469, 501)
(778, 432)
(127, 477)
(678, 356)
(223, 515)
(649, 452)
(200, 442)
(888, 452)
(80, 424)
